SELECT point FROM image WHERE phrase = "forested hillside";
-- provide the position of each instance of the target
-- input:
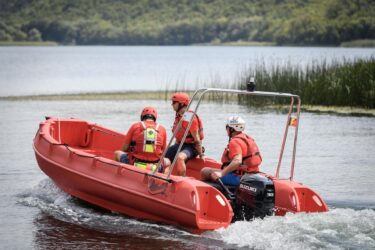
(170, 22)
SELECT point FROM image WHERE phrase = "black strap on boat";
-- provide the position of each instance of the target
(144, 161)
(161, 178)
(228, 193)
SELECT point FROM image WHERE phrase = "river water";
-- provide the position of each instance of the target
(335, 157)
(49, 70)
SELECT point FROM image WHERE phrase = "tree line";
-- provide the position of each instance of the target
(183, 22)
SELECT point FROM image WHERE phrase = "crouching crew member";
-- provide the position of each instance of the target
(239, 157)
(144, 143)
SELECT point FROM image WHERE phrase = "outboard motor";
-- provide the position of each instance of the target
(255, 197)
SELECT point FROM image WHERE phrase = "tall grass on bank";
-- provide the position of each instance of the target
(362, 43)
(339, 84)
(346, 83)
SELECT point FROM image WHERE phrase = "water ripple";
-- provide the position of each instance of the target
(340, 228)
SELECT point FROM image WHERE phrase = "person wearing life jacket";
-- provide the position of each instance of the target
(239, 157)
(192, 146)
(144, 142)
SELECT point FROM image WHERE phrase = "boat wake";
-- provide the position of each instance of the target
(340, 228)
(54, 202)
(337, 229)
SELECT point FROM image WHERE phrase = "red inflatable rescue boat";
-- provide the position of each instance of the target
(78, 157)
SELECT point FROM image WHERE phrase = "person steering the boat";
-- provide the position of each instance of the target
(192, 146)
(239, 157)
(144, 143)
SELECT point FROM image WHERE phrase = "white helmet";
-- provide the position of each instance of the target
(237, 123)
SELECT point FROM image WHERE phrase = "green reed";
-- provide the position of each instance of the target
(339, 83)
(345, 83)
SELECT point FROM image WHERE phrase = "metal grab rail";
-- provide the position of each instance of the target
(199, 95)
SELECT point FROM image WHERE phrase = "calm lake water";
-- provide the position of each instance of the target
(335, 158)
(46, 70)
(335, 154)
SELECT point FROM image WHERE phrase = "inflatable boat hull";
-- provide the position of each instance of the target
(77, 155)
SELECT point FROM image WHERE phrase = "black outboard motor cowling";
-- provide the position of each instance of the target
(255, 197)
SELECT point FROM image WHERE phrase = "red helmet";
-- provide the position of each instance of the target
(181, 97)
(149, 111)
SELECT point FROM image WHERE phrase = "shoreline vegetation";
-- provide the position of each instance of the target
(27, 43)
(165, 95)
(341, 87)
(362, 43)
(337, 83)
(170, 22)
